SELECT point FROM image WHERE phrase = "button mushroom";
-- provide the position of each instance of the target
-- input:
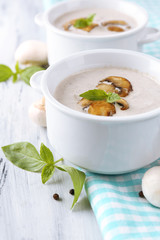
(122, 83)
(32, 52)
(37, 112)
(101, 108)
(67, 26)
(151, 186)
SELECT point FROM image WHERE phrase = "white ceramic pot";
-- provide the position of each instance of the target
(62, 43)
(110, 145)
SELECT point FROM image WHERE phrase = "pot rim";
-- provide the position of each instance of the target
(76, 114)
(92, 37)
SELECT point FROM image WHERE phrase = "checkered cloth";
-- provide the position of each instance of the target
(120, 212)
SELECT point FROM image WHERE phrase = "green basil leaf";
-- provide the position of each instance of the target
(78, 178)
(81, 23)
(17, 67)
(15, 77)
(46, 154)
(112, 97)
(27, 73)
(24, 155)
(84, 22)
(90, 18)
(47, 172)
(5, 73)
(95, 94)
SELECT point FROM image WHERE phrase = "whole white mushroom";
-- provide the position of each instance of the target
(32, 52)
(151, 185)
(37, 113)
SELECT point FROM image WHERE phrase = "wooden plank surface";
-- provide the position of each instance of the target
(27, 209)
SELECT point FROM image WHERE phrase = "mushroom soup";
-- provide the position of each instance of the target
(95, 21)
(128, 92)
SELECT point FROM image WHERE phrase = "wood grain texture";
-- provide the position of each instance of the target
(27, 208)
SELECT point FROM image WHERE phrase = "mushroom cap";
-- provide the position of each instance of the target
(115, 29)
(85, 102)
(37, 113)
(123, 84)
(101, 108)
(32, 52)
(123, 103)
(151, 185)
(108, 88)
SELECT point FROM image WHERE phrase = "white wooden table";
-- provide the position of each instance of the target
(27, 208)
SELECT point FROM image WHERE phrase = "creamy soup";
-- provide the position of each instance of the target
(101, 19)
(144, 97)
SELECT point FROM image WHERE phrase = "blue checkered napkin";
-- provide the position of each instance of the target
(120, 212)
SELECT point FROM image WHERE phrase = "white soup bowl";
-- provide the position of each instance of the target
(108, 145)
(62, 43)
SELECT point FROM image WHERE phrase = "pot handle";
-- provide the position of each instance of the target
(151, 35)
(39, 19)
(35, 80)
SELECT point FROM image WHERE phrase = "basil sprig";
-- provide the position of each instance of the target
(24, 74)
(25, 156)
(84, 22)
(98, 94)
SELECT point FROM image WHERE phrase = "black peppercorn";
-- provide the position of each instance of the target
(71, 191)
(141, 194)
(56, 196)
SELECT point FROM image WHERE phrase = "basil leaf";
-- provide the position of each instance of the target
(90, 18)
(17, 67)
(84, 22)
(47, 172)
(112, 97)
(46, 154)
(78, 178)
(27, 73)
(24, 155)
(5, 73)
(80, 23)
(95, 94)
(15, 77)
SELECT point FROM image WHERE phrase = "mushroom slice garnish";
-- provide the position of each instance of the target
(108, 88)
(102, 108)
(122, 83)
(115, 29)
(89, 28)
(115, 22)
(67, 26)
(116, 25)
(84, 102)
(123, 103)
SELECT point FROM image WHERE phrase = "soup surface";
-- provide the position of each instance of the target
(102, 16)
(144, 97)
